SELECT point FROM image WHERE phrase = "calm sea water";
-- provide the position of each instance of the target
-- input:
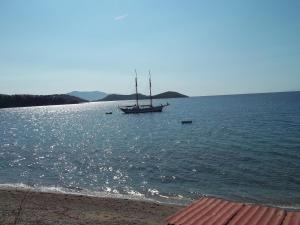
(243, 147)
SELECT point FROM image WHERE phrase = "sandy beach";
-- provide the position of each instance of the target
(41, 208)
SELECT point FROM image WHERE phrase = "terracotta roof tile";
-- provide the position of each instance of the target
(292, 218)
(214, 211)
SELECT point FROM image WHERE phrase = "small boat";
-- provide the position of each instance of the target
(186, 121)
(108, 113)
(142, 108)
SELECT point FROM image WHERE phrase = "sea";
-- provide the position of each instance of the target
(238, 147)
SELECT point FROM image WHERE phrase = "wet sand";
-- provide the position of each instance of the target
(40, 208)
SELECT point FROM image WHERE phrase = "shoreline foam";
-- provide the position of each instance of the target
(166, 200)
(97, 194)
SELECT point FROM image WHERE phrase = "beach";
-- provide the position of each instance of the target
(44, 208)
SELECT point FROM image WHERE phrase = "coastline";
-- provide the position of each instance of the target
(25, 206)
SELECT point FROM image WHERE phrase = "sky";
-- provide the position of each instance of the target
(193, 47)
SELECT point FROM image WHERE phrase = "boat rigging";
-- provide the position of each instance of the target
(137, 108)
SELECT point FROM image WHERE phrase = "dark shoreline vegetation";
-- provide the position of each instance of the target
(10, 101)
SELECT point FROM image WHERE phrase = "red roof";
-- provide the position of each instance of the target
(214, 211)
(292, 218)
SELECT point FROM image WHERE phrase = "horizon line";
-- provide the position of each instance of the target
(212, 95)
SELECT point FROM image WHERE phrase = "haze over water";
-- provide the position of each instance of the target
(242, 147)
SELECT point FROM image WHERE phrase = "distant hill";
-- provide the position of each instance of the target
(170, 94)
(8, 101)
(117, 97)
(88, 95)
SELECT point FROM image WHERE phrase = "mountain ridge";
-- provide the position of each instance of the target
(88, 95)
(167, 94)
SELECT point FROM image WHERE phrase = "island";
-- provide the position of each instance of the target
(88, 95)
(168, 94)
(9, 101)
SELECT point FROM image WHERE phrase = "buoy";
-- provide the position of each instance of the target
(186, 121)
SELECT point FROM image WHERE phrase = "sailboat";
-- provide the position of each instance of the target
(137, 108)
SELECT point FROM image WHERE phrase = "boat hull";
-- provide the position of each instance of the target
(135, 110)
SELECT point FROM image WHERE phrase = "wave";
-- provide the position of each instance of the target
(132, 195)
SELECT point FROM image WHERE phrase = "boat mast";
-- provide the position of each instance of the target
(150, 86)
(136, 90)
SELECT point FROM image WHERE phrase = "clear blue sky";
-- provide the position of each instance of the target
(194, 47)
